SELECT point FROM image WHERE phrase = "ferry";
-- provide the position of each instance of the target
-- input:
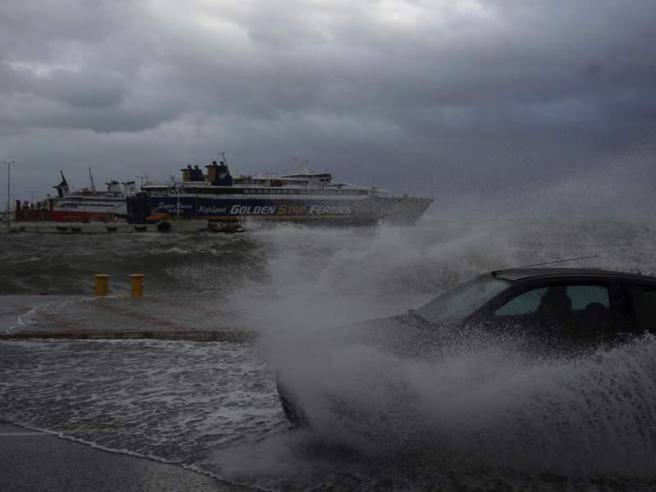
(88, 204)
(305, 197)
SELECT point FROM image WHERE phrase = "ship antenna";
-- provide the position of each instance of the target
(223, 158)
(550, 262)
(93, 186)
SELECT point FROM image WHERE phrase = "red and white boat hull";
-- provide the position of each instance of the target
(81, 216)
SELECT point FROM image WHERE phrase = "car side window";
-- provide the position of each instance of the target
(643, 301)
(525, 303)
(560, 300)
(584, 295)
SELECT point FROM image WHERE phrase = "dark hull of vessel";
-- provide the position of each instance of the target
(143, 208)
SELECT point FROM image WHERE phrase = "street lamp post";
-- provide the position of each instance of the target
(9, 163)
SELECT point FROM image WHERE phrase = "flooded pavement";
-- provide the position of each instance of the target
(66, 465)
(166, 399)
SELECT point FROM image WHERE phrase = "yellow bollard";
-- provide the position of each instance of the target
(102, 284)
(137, 280)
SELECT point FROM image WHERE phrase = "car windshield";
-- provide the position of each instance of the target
(457, 304)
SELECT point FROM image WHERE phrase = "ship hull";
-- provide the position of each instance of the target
(345, 211)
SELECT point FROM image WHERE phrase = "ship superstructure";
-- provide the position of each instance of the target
(300, 197)
(88, 204)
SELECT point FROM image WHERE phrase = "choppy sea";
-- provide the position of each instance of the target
(483, 418)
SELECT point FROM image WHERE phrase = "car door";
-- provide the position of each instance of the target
(561, 312)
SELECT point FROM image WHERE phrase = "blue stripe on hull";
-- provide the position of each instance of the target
(370, 210)
(198, 207)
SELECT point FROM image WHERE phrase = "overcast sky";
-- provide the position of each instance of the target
(474, 102)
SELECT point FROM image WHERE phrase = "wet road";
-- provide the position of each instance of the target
(36, 461)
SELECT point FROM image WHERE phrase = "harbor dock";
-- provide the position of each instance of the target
(113, 317)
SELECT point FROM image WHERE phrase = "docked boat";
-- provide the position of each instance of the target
(89, 204)
(305, 197)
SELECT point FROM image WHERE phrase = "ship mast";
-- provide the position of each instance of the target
(223, 158)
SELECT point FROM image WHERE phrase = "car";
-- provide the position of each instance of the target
(562, 310)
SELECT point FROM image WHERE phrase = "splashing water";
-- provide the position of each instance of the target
(493, 410)
(481, 407)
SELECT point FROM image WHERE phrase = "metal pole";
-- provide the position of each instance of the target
(9, 163)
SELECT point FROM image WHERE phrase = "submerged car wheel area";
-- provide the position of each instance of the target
(552, 309)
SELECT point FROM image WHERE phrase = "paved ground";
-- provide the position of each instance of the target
(171, 317)
(35, 461)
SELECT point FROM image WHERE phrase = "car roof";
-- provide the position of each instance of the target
(514, 274)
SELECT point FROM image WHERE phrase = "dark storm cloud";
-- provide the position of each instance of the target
(451, 98)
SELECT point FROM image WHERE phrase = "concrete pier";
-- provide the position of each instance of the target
(185, 226)
(115, 317)
(49, 227)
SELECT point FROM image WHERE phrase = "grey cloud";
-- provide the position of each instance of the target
(445, 97)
